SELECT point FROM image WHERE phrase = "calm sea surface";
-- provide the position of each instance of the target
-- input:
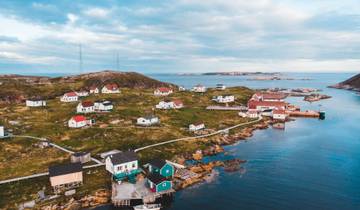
(311, 165)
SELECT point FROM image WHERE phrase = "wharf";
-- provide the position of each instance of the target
(126, 194)
(307, 113)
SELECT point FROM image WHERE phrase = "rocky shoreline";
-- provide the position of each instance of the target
(204, 171)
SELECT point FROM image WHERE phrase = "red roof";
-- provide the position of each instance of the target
(112, 86)
(274, 96)
(78, 118)
(253, 104)
(87, 104)
(70, 94)
(164, 89)
(279, 111)
(177, 102)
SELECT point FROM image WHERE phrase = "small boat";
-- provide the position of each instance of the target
(148, 207)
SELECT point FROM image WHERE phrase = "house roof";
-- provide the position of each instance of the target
(164, 89)
(63, 169)
(123, 157)
(252, 104)
(70, 94)
(159, 163)
(177, 102)
(156, 178)
(279, 111)
(198, 123)
(276, 96)
(112, 86)
(78, 118)
(87, 104)
(150, 116)
(93, 88)
(79, 154)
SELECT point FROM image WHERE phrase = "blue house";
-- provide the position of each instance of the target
(158, 183)
(161, 167)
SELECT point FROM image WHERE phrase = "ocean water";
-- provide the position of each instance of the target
(312, 164)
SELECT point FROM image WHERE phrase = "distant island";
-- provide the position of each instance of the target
(240, 73)
(350, 84)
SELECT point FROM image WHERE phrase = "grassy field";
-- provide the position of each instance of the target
(18, 157)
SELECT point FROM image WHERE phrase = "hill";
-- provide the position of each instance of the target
(350, 84)
(16, 88)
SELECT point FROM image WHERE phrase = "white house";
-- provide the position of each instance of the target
(148, 120)
(79, 121)
(199, 89)
(85, 107)
(224, 99)
(82, 93)
(220, 87)
(163, 91)
(279, 115)
(176, 104)
(69, 97)
(2, 132)
(196, 126)
(122, 164)
(94, 90)
(35, 103)
(242, 114)
(110, 88)
(182, 88)
(103, 106)
(252, 114)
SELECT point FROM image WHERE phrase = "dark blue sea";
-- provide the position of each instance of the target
(312, 164)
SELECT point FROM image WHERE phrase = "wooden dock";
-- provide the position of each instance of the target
(307, 113)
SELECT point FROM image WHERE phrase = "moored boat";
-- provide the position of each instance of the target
(148, 207)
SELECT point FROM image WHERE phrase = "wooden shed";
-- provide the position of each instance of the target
(65, 176)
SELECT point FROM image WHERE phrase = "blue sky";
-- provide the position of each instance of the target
(180, 36)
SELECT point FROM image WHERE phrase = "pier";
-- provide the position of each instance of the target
(307, 113)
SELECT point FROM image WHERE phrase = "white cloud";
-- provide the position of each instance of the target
(72, 18)
(97, 12)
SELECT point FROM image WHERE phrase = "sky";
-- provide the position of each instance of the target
(179, 36)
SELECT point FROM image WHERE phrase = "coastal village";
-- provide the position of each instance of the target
(147, 183)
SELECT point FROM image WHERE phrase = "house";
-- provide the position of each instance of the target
(196, 126)
(94, 90)
(161, 167)
(110, 88)
(2, 132)
(80, 157)
(269, 96)
(66, 176)
(242, 114)
(279, 114)
(35, 102)
(220, 87)
(82, 93)
(69, 97)
(122, 165)
(103, 106)
(176, 104)
(148, 120)
(266, 105)
(224, 99)
(163, 91)
(182, 88)
(199, 89)
(252, 114)
(85, 107)
(79, 121)
(108, 153)
(158, 183)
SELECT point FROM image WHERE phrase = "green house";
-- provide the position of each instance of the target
(158, 183)
(162, 168)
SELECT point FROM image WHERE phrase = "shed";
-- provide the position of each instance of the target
(65, 176)
(81, 157)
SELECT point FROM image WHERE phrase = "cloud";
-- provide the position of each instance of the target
(97, 12)
(193, 35)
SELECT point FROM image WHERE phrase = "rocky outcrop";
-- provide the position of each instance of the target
(351, 84)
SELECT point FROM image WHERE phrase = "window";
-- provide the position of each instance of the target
(119, 168)
(133, 165)
(125, 166)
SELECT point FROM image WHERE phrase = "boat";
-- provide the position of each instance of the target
(148, 207)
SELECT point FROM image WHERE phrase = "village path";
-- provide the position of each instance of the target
(198, 137)
(99, 163)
